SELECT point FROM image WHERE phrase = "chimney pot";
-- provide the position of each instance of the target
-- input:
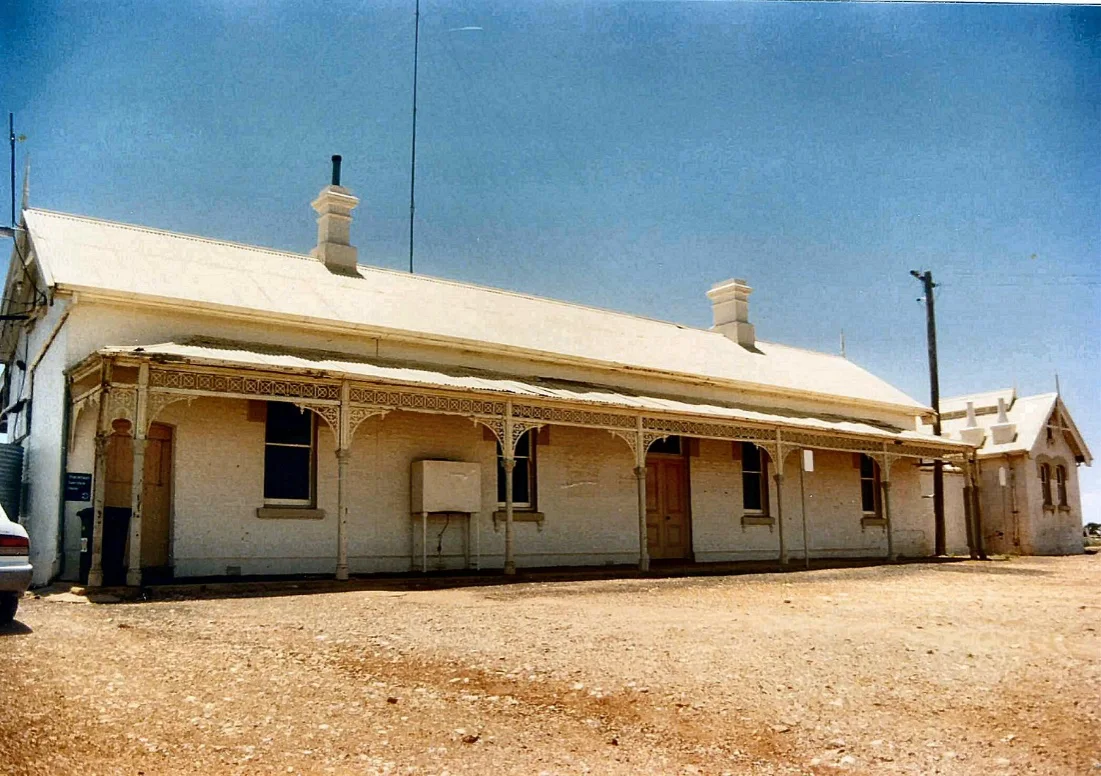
(1003, 432)
(334, 207)
(730, 310)
(972, 433)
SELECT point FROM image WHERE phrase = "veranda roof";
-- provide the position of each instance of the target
(249, 356)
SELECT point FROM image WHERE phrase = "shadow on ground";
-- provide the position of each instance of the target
(15, 628)
(270, 587)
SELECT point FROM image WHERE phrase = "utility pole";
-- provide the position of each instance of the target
(926, 279)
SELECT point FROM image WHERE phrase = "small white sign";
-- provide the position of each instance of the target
(1001, 476)
(808, 460)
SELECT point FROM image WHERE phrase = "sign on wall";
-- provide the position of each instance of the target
(78, 486)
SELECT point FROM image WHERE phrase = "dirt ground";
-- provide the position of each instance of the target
(927, 668)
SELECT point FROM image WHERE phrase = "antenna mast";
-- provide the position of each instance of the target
(11, 138)
(413, 154)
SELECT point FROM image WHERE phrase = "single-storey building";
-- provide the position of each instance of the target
(1028, 454)
(219, 409)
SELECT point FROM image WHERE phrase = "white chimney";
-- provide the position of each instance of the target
(334, 207)
(1003, 431)
(730, 308)
(972, 434)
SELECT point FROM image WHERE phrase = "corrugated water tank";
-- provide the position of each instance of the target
(11, 479)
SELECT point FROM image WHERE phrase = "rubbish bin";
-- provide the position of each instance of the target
(87, 524)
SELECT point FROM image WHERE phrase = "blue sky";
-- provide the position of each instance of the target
(625, 155)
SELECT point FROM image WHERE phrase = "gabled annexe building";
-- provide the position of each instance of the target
(250, 411)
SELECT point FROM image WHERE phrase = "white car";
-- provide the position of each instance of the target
(15, 566)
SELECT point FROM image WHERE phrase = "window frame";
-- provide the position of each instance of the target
(875, 480)
(761, 474)
(530, 465)
(1045, 484)
(311, 501)
(1061, 486)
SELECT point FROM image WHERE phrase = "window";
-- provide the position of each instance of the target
(1045, 483)
(754, 479)
(1061, 484)
(523, 476)
(289, 446)
(869, 486)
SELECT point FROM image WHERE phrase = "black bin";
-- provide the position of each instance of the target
(116, 528)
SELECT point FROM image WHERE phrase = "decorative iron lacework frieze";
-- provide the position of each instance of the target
(570, 415)
(713, 430)
(830, 442)
(158, 400)
(631, 438)
(260, 387)
(425, 402)
(122, 402)
(356, 416)
(329, 412)
(923, 451)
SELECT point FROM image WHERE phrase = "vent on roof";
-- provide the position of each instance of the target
(334, 207)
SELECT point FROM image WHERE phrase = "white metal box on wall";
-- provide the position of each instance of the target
(446, 486)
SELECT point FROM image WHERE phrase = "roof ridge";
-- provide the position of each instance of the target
(170, 233)
(963, 396)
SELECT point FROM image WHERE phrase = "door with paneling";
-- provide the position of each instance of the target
(156, 495)
(668, 532)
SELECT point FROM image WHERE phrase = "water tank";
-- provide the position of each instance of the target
(11, 479)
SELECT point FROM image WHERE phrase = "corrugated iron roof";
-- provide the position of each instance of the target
(1029, 413)
(86, 253)
(251, 356)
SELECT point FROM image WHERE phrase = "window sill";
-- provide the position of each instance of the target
(758, 520)
(290, 513)
(873, 522)
(1063, 507)
(1049, 507)
(519, 516)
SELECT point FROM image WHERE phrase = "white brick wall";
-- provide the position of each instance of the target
(586, 490)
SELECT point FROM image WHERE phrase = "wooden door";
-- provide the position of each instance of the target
(157, 493)
(157, 498)
(668, 533)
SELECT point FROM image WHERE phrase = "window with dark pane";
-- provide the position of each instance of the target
(288, 455)
(869, 479)
(669, 446)
(754, 479)
(523, 475)
(1045, 483)
(1061, 484)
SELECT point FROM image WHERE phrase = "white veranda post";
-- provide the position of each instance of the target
(640, 474)
(137, 480)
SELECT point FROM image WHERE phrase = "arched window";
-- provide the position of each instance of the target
(1061, 485)
(1045, 483)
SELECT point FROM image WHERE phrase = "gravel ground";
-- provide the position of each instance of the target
(926, 668)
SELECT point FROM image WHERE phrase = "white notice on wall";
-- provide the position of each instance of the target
(808, 460)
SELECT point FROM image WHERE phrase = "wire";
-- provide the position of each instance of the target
(439, 539)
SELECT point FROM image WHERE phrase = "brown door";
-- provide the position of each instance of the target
(667, 526)
(157, 493)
